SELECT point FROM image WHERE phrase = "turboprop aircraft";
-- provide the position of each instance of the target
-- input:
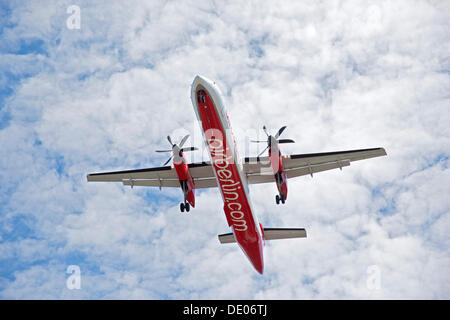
(232, 174)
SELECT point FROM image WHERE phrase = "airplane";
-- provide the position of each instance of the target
(233, 174)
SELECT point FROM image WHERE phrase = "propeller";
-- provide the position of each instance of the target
(280, 132)
(177, 149)
(271, 139)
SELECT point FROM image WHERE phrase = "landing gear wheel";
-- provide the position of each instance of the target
(282, 199)
(182, 207)
(277, 199)
(187, 206)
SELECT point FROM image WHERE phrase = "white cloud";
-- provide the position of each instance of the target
(339, 75)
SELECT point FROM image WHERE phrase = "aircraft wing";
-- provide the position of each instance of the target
(258, 170)
(202, 173)
(269, 234)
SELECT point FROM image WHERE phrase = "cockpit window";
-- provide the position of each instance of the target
(201, 96)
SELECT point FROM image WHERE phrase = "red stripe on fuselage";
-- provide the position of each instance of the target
(236, 204)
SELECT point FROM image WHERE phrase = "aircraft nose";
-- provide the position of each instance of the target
(199, 78)
(202, 80)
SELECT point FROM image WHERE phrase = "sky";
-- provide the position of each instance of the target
(91, 86)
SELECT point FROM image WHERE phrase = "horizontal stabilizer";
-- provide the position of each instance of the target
(270, 234)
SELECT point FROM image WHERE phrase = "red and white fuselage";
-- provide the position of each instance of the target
(209, 108)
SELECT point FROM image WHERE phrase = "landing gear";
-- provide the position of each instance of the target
(185, 206)
(279, 198)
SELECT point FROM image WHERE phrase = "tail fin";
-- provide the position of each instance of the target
(270, 234)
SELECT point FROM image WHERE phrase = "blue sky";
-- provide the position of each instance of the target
(340, 75)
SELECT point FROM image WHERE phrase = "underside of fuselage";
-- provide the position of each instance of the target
(208, 106)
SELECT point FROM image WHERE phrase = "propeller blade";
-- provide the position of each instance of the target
(167, 161)
(264, 128)
(163, 150)
(280, 132)
(258, 141)
(183, 140)
(188, 149)
(170, 140)
(263, 151)
(286, 141)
